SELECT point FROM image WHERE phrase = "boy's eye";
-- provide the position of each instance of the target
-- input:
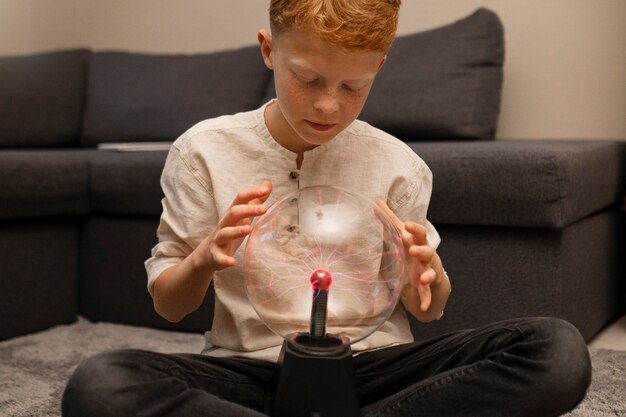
(306, 80)
(309, 81)
(353, 88)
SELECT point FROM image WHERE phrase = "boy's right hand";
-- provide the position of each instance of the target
(216, 252)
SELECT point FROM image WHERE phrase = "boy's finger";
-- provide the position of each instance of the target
(423, 253)
(223, 260)
(425, 297)
(228, 234)
(428, 277)
(260, 192)
(242, 212)
(265, 189)
(418, 231)
(390, 213)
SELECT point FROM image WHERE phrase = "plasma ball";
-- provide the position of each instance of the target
(319, 239)
(321, 279)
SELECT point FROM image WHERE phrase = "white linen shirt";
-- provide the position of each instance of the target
(215, 159)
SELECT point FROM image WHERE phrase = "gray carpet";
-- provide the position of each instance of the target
(34, 368)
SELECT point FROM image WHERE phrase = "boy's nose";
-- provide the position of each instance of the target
(327, 102)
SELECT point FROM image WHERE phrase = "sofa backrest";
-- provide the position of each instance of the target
(41, 99)
(139, 97)
(441, 84)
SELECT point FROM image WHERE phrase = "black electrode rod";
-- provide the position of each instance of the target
(318, 316)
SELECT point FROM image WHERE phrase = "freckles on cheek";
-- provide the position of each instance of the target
(282, 87)
(357, 105)
(292, 94)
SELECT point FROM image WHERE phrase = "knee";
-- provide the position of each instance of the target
(91, 389)
(567, 361)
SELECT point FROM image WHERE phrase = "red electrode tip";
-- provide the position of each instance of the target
(321, 279)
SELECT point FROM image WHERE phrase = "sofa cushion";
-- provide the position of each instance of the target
(113, 279)
(525, 183)
(41, 99)
(43, 183)
(139, 97)
(443, 83)
(39, 276)
(126, 182)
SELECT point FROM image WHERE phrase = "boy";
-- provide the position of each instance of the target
(224, 172)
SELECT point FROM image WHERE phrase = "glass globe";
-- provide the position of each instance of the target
(324, 261)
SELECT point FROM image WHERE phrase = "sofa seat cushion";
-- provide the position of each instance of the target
(141, 97)
(126, 182)
(41, 99)
(543, 184)
(43, 184)
(38, 276)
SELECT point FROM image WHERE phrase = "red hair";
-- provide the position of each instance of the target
(352, 24)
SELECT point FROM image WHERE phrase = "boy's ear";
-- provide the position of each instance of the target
(382, 62)
(265, 41)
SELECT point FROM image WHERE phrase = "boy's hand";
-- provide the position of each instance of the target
(181, 288)
(217, 250)
(424, 269)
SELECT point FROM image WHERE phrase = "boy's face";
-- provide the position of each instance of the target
(321, 88)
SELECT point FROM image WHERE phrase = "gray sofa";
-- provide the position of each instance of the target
(528, 227)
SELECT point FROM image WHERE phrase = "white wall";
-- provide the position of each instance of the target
(137, 25)
(565, 71)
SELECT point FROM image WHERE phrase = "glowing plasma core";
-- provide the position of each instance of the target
(307, 234)
(320, 279)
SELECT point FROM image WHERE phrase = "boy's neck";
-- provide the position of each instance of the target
(282, 133)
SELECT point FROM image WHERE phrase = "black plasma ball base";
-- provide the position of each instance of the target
(316, 373)
(315, 379)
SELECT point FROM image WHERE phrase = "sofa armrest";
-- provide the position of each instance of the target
(522, 183)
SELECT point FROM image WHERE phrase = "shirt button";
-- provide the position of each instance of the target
(294, 175)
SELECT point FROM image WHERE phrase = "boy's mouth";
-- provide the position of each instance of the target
(322, 127)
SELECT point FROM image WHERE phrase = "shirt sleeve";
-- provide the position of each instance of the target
(188, 214)
(413, 198)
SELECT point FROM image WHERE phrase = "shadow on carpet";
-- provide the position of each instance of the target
(35, 368)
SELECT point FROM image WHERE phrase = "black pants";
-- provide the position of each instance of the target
(524, 367)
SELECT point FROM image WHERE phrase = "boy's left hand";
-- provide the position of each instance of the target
(424, 267)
